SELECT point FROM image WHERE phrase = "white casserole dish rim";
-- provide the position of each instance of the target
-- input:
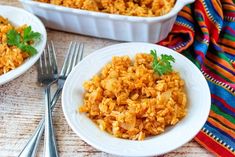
(177, 7)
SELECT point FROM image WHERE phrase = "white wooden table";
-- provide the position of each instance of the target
(22, 107)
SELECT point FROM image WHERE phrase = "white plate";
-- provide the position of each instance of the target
(198, 105)
(19, 17)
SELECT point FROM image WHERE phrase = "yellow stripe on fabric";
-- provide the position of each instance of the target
(228, 42)
(218, 8)
(187, 9)
(228, 49)
(220, 70)
(229, 6)
(186, 15)
(222, 119)
(221, 61)
(220, 126)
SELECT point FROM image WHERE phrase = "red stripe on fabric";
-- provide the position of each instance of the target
(231, 14)
(171, 41)
(212, 145)
(210, 24)
(230, 29)
(215, 76)
(223, 102)
(200, 54)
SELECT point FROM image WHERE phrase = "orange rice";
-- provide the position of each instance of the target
(10, 56)
(129, 100)
(122, 7)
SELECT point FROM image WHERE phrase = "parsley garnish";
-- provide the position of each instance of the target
(23, 42)
(162, 64)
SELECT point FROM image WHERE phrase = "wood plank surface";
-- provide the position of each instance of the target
(22, 107)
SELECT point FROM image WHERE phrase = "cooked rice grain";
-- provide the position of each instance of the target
(128, 100)
(10, 56)
(122, 7)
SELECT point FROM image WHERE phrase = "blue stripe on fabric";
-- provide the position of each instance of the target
(222, 66)
(221, 131)
(200, 46)
(184, 21)
(227, 31)
(223, 93)
(217, 48)
(222, 107)
(232, 26)
(213, 12)
(230, 56)
(220, 134)
(199, 59)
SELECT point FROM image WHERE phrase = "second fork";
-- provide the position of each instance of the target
(73, 56)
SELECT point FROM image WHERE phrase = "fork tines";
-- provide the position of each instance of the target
(74, 55)
(47, 65)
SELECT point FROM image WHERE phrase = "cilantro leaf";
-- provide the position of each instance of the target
(13, 38)
(23, 42)
(28, 48)
(153, 53)
(29, 35)
(162, 64)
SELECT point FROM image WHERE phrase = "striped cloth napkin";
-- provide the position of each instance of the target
(205, 33)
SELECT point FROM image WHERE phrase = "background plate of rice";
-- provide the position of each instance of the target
(197, 91)
(19, 17)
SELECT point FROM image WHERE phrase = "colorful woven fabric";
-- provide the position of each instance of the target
(205, 33)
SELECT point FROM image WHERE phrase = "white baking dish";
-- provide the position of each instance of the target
(103, 25)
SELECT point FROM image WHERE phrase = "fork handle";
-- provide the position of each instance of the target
(30, 148)
(50, 148)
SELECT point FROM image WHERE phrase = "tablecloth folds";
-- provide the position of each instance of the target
(205, 33)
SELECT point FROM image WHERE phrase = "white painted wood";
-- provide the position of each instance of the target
(21, 108)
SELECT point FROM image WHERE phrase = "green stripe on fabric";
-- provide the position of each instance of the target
(221, 123)
(219, 112)
(230, 11)
(216, 72)
(221, 55)
(230, 37)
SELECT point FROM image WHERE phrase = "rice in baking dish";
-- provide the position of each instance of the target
(122, 7)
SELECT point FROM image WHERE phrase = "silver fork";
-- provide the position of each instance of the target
(31, 147)
(47, 66)
(74, 55)
(47, 72)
